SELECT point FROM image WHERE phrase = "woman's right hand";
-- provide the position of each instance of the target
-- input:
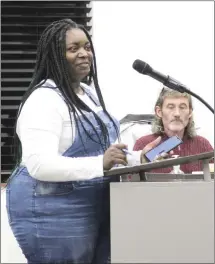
(114, 155)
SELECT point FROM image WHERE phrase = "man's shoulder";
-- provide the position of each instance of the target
(198, 138)
(143, 141)
(201, 143)
(149, 137)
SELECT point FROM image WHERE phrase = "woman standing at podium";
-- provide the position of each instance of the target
(57, 197)
(174, 116)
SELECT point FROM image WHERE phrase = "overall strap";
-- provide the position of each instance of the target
(91, 96)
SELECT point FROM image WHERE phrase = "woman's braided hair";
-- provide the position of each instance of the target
(51, 63)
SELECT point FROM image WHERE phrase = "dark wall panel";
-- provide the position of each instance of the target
(21, 25)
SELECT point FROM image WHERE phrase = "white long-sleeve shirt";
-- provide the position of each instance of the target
(45, 131)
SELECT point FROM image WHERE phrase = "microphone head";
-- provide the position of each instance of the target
(141, 67)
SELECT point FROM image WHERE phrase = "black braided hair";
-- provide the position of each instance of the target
(51, 63)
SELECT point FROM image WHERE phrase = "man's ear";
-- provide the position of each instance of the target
(158, 111)
(191, 113)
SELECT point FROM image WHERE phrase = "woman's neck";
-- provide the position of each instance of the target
(77, 88)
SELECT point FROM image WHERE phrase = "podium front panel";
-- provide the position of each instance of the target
(162, 222)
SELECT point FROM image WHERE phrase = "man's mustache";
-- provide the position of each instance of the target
(178, 120)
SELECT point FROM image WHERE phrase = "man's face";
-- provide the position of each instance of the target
(78, 53)
(175, 114)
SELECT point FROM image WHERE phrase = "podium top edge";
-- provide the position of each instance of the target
(159, 164)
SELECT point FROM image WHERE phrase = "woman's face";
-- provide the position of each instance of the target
(78, 53)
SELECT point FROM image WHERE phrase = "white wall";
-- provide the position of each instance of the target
(175, 38)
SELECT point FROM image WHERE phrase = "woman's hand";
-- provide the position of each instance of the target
(152, 145)
(114, 155)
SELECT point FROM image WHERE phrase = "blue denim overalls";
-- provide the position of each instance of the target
(64, 222)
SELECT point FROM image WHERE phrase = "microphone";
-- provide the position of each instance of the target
(145, 68)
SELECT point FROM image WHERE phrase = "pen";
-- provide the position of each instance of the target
(126, 152)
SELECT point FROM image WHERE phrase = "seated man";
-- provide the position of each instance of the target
(174, 116)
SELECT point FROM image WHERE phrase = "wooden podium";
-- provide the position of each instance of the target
(163, 222)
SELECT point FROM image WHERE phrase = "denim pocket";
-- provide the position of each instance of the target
(53, 188)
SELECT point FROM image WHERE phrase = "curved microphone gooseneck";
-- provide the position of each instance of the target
(144, 68)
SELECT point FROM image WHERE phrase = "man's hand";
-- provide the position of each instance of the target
(114, 155)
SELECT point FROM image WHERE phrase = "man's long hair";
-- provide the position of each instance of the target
(51, 64)
(157, 124)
